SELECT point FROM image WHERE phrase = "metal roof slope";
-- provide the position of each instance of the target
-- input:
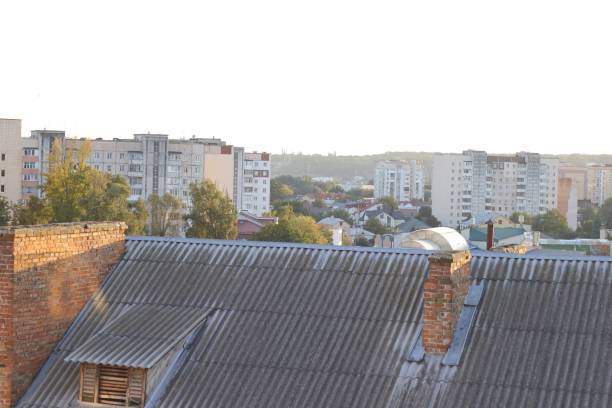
(318, 326)
(131, 340)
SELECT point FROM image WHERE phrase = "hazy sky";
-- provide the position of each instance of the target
(316, 76)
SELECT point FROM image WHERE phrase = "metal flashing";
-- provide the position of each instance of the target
(464, 325)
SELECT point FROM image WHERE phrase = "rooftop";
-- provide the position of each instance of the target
(293, 325)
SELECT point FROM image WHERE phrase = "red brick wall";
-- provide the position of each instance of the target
(47, 273)
(444, 291)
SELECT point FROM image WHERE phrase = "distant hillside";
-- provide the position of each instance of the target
(342, 167)
(346, 167)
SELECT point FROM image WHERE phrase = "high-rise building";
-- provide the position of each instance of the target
(402, 180)
(256, 183)
(600, 183)
(156, 164)
(10, 159)
(474, 183)
(580, 179)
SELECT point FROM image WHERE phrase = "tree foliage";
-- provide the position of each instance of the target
(389, 202)
(361, 240)
(279, 190)
(165, 215)
(425, 214)
(5, 212)
(340, 213)
(552, 223)
(75, 191)
(212, 214)
(516, 218)
(375, 227)
(294, 227)
(34, 211)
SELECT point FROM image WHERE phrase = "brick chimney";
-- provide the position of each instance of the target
(47, 273)
(444, 291)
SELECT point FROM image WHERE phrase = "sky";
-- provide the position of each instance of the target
(350, 77)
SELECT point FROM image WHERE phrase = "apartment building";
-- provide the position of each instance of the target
(400, 179)
(156, 164)
(580, 179)
(256, 183)
(475, 183)
(10, 159)
(600, 183)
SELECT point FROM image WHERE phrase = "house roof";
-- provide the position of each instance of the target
(480, 233)
(332, 221)
(412, 224)
(293, 325)
(130, 340)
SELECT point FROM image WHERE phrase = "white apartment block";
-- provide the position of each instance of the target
(600, 183)
(474, 183)
(402, 180)
(256, 183)
(156, 164)
(10, 159)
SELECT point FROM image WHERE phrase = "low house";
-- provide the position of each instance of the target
(502, 236)
(338, 228)
(175, 322)
(250, 224)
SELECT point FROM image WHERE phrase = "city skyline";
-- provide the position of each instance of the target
(323, 77)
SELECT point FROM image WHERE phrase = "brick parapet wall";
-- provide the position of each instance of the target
(47, 273)
(443, 294)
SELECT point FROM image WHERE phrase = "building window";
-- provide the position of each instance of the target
(2, 173)
(2, 188)
(109, 155)
(3, 156)
(122, 155)
(109, 168)
(113, 385)
(28, 151)
(30, 165)
(30, 177)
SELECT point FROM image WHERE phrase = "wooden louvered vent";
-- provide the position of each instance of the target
(110, 385)
(113, 385)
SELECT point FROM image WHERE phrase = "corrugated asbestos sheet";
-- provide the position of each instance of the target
(140, 337)
(307, 326)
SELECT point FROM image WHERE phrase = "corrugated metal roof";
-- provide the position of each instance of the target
(320, 326)
(131, 340)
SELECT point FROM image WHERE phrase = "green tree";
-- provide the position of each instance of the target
(340, 213)
(375, 227)
(137, 222)
(589, 223)
(34, 211)
(212, 214)
(389, 202)
(68, 183)
(75, 191)
(516, 218)
(296, 206)
(605, 214)
(279, 190)
(165, 211)
(552, 223)
(361, 240)
(5, 212)
(425, 214)
(293, 227)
